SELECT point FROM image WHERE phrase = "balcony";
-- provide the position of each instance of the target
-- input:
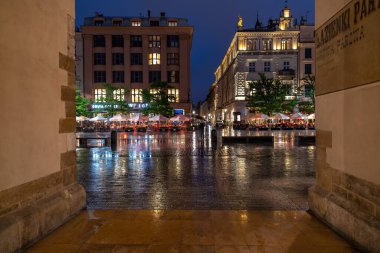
(286, 74)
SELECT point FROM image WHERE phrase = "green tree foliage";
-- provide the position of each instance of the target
(82, 105)
(267, 95)
(307, 89)
(159, 101)
(111, 103)
(309, 84)
(289, 105)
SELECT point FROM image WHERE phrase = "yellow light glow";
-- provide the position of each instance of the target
(286, 13)
(240, 22)
(242, 44)
(242, 47)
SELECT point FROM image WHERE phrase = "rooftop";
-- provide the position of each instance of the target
(141, 21)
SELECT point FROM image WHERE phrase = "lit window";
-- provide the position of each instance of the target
(153, 91)
(136, 95)
(173, 95)
(172, 23)
(286, 13)
(286, 44)
(155, 41)
(99, 94)
(154, 59)
(136, 23)
(252, 66)
(118, 94)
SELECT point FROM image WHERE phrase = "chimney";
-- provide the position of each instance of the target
(148, 13)
(162, 14)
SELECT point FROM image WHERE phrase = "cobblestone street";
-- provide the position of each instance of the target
(182, 171)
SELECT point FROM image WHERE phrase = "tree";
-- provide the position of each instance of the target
(158, 100)
(267, 95)
(113, 102)
(82, 105)
(289, 105)
(307, 89)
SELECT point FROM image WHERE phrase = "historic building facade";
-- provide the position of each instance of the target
(132, 52)
(282, 49)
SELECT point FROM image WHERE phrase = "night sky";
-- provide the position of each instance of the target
(214, 24)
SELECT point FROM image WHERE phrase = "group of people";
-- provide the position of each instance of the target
(301, 125)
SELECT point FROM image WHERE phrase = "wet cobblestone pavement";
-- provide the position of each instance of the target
(182, 171)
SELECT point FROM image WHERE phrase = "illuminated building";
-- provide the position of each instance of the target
(282, 49)
(133, 52)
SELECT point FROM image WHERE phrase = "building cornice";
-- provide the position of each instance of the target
(139, 30)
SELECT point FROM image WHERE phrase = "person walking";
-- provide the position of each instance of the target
(202, 129)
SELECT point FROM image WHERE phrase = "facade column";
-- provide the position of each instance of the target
(127, 65)
(145, 56)
(108, 58)
(184, 76)
(88, 60)
(164, 61)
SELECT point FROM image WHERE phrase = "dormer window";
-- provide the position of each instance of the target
(154, 23)
(172, 23)
(98, 22)
(136, 23)
(117, 22)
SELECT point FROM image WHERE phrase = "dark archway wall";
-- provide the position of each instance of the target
(347, 193)
(38, 187)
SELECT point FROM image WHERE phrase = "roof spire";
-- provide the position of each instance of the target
(258, 23)
(286, 3)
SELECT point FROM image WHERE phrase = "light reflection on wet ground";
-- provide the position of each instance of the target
(182, 171)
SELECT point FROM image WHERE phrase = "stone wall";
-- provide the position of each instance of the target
(347, 193)
(38, 184)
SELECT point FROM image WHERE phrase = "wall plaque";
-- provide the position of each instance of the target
(348, 48)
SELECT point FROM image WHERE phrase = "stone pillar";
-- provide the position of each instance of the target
(164, 61)
(347, 193)
(184, 75)
(127, 64)
(108, 48)
(145, 56)
(38, 182)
